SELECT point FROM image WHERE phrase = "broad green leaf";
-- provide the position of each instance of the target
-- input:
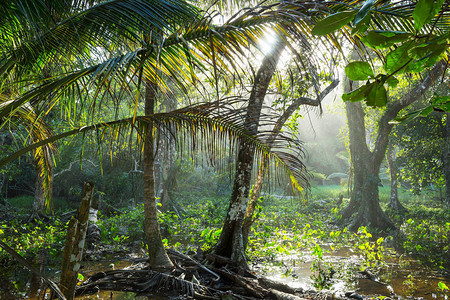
(359, 70)
(442, 286)
(392, 81)
(384, 39)
(426, 111)
(333, 22)
(364, 11)
(425, 50)
(426, 56)
(358, 94)
(424, 12)
(377, 95)
(440, 99)
(398, 59)
(362, 25)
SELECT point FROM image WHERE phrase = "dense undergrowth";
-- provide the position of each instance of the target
(284, 226)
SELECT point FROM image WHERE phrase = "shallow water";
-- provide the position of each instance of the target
(295, 270)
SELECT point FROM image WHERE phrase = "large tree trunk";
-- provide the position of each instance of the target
(231, 243)
(364, 197)
(394, 203)
(156, 253)
(366, 164)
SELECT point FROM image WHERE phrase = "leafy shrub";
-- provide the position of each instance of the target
(428, 241)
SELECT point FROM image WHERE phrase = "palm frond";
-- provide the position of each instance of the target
(190, 47)
(211, 128)
(37, 130)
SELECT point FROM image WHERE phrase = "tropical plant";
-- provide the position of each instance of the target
(75, 53)
(395, 32)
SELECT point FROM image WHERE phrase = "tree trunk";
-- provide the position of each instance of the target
(73, 248)
(364, 200)
(393, 200)
(231, 243)
(254, 196)
(364, 196)
(156, 253)
(39, 195)
(252, 202)
(446, 158)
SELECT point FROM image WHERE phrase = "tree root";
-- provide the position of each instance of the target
(190, 279)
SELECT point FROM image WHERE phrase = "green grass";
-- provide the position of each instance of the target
(405, 197)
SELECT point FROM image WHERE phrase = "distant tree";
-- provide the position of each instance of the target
(421, 157)
(392, 160)
(403, 46)
(366, 163)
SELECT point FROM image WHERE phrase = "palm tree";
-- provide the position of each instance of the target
(70, 53)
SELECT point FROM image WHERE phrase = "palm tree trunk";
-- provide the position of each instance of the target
(253, 199)
(156, 253)
(231, 243)
(252, 202)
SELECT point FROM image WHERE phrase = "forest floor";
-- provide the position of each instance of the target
(292, 243)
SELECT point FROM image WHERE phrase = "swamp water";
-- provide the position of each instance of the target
(295, 271)
(404, 277)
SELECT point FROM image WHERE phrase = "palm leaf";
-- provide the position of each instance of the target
(211, 128)
(191, 46)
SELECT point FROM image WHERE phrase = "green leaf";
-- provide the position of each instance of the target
(442, 286)
(364, 11)
(377, 39)
(426, 56)
(392, 81)
(359, 70)
(426, 111)
(333, 22)
(358, 94)
(377, 95)
(398, 59)
(424, 50)
(424, 11)
(362, 25)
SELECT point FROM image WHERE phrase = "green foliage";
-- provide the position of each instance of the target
(373, 252)
(424, 12)
(359, 70)
(410, 285)
(119, 228)
(421, 144)
(413, 52)
(28, 239)
(333, 22)
(427, 241)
